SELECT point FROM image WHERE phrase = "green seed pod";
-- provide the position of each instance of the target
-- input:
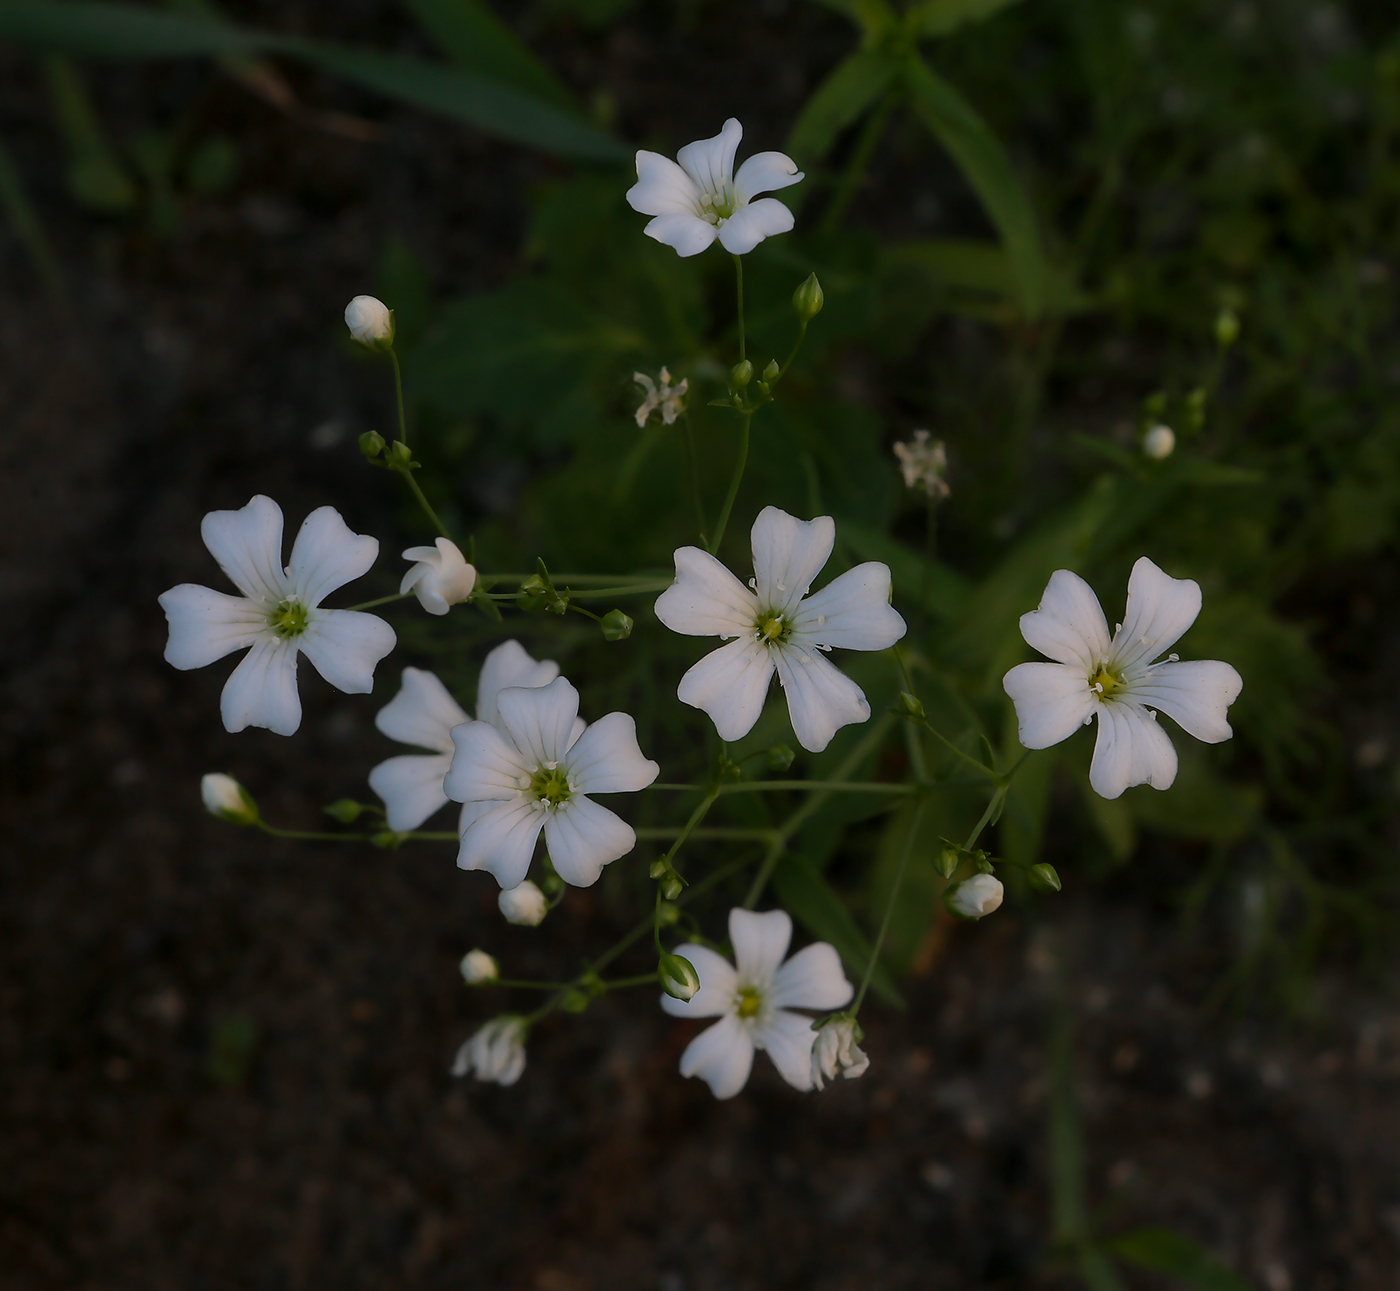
(740, 375)
(617, 626)
(780, 757)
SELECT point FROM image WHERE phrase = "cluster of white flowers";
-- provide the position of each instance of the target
(924, 465)
(664, 397)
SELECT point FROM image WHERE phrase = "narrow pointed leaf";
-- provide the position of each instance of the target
(839, 101)
(939, 17)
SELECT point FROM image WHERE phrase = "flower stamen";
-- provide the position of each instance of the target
(1105, 682)
(748, 1002)
(551, 786)
(773, 628)
(289, 619)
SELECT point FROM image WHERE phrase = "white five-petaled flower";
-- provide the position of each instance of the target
(534, 770)
(495, 1052)
(924, 465)
(778, 627)
(1118, 679)
(279, 613)
(440, 579)
(754, 1002)
(666, 397)
(702, 199)
(837, 1053)
(423, 714)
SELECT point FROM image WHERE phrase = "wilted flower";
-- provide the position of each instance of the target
(668, 398)
(370, 321)
(524, 904)
(836, 1052)
(496, 1052)
(702, 199)
(279, 613)
(441, 578)
(225, 798)
(755, 1001)
(536, 772)
(478, 968)
(924, 465)
(975, 897)
(778, 630)
(1158, 443)
(1117, 679)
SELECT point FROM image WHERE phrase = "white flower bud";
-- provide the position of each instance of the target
(225, 798)
(978, 896)
(441, 578)
(496, 1052)
(478, 968)
(1158, 443)
(370, 322)
(524, 905)
(836, 1050)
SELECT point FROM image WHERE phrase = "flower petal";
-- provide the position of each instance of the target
(1069, 625)
(501, 840)
(327, 555)
(1160, 609)
(750, 224)
(788, 1039)
(811, 979)
(852, 612)
(662, 187)
(485, 765)
(765, 172)
(583, 836)
(1131, 749)
(788, 554)
(344, 646)
(1053, 700)
(717, 985)
(411, 787)
(606, 758)
(509, 664)
(205, 625)
(760, 942)
(247, 543)
(722, 1056)
(539, 719)
(688, 234)
(422, 713)
(1195, 695)
(706, 600)
(730, 684)
(820, 697)
(710, 162)
(262, 690)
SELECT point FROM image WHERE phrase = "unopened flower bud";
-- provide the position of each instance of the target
(808, 299)
(345, 810)
(573, 1001)
(496, 1052)
(225, 798)
(946, 862)
(780, 757)
(1044, 877)
(667, 913)
(523, 905)
(371, 322)
(975, 898)
(479, 968)
(1158, 443)
(372, 443)
(772, 371)
(617, 626)
(678, 976)
(911, 706)
(740, 375)
(836, 1050)
(1227, 328)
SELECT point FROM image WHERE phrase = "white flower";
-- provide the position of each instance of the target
(441, 578)
(754, 1002)
(278, 614)
(536, 772)
(1158, 443)
(225, 798)
(524, 904)
(703, 199)
(977, 896)
(670, 399)
(777, 629)
(496, 1052)
(370, 321)
(423, 714)
(1117, 679)
(836, 1051)
(478, 968)
(924, 465)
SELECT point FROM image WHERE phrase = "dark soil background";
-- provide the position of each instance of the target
(224, 1059)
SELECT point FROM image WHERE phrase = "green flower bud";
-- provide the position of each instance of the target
(671, 886)
(617, 626)
(1043, 878)
(772, 371)
(678, 977)
(780, 757)
(911, 707)
(371, 444)
(574, 1002)
(345, 810)
(1227, 328)
(225, 798)
(667, 913)
(399, 454)
(808, 299)
(946, 862)
(740, 375)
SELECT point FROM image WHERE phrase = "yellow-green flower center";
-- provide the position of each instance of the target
(551, 785)
(772, 628)
(718, 206)
(1105, 682)
(748, 1002)
(289, 618)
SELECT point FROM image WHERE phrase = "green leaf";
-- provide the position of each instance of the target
(1165, 1251)
(874, 17)
(96, 177)
(939, 17)
(838, 102)
(984, 162)
(93, 30)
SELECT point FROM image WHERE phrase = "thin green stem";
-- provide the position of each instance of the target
(398, 394)
(889, 908)
(380, 600)
(739, 284)
(722, 833)
(310, 835)
(423, 502)
(607, 593)
(694, 477)
(800, 786)
(734, 482)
